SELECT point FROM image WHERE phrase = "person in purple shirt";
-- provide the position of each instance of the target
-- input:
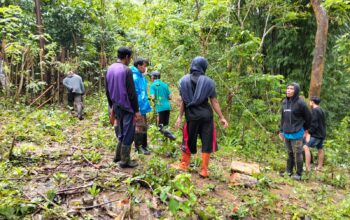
(122, 99)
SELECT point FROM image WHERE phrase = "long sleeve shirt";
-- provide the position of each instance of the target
(120, 88)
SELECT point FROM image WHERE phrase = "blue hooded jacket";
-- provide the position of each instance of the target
(141, 91)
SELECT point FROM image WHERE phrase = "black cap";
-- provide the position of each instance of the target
(155, 73)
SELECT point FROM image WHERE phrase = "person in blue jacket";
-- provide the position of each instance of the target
(139, 69)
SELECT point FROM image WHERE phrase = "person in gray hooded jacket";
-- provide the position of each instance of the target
(75, 87)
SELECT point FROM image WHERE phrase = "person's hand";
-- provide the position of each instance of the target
(178, 122)
(223, 122)
(306, 136)
(112, 118)
(280, 135)
(138, 116)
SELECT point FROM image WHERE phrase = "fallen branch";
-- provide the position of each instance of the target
(42, 94)
(179, 199)
(63, 215)
(42, 104)
(144, 181)
(22, 178)
(74, 188)
(98, 205)
(89, 162)
(71, 193)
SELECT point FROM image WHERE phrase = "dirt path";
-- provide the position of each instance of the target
(72, 178)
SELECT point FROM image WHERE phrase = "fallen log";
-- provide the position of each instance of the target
(245, 168)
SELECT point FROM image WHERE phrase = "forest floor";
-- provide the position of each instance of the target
(66, 172)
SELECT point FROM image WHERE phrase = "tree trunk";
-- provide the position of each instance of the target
(39, 24)
(320, 48)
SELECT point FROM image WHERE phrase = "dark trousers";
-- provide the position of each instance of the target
(164, 118)
(126, 126)
(75, 100)
(295, 155)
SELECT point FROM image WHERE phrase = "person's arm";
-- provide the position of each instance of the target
(280, 134)
(181, 112)
(314, 122)
(216, 106)
(169, 93)
(307, 117)
(130, 86)
(110, 103)
(66, 84)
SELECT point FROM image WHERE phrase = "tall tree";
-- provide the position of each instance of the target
(320, 48)
(41, 42)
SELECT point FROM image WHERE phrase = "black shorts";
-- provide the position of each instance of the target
(315, 142)
(164, 117)
(206, 131)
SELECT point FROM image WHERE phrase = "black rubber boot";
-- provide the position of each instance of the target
(125, 157)
(144, 150)
(144, 147)
(138, 142)
(167, 133)
(117, 156)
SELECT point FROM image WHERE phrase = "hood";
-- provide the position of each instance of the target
(199, 66)
(135, 70)
(296, 90)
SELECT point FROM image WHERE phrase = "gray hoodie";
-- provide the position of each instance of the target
(74, 83)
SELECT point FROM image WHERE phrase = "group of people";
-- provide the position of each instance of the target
(128, 101)
(126, 90)
(301, 130)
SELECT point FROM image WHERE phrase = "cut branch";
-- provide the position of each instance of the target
(74, 188)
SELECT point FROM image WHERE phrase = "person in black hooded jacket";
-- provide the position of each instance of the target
(196, 90)
(295, 122)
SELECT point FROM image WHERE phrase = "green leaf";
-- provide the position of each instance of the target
(173, 205)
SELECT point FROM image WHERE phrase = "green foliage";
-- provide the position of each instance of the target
(253, 48)
(94, 190)
(60, 178)
(37, 126)
(339, 145)
(15, 208)
(98, 137)
(93, 156)
(170, 188)
(12, 205)
(51, 194)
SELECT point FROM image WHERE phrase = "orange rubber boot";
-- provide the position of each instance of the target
(185, 162)
(205, 163)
